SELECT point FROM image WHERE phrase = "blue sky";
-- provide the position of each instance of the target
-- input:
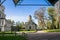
(21, 13)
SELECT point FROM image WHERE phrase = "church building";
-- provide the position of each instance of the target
(30, 25)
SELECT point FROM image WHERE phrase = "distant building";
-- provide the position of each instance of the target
(30, 25)
(5, 25)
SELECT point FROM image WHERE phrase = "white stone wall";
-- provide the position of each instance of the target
(2, 8)
(28, 26)
(4, 24)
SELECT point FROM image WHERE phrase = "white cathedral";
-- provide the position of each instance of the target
(5, 25)
(30, 25)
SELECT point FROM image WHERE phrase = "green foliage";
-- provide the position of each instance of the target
(20, 25)
(31, 31)
(48, 25)
(11, 21)
(52, 15)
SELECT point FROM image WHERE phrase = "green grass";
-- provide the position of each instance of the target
(52, 30)
(12, 38)
(8, 32)
(28, 31)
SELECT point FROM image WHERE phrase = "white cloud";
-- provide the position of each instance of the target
(20, 18)
(17, 18)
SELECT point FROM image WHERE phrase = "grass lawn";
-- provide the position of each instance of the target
(25, 31)
(52, 30)
(8, 32)
(28, 31)
(12, 38)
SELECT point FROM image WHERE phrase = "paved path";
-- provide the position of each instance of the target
(43, 36)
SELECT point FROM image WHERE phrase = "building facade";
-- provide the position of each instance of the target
(30, 25)
(5, 25)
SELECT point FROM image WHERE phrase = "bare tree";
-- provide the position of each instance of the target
(39, 14)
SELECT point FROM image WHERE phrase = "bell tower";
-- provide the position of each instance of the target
(29, 18)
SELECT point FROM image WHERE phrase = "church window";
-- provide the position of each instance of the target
(0, 29)
(0, 22)
(30, 27)
(0, 15)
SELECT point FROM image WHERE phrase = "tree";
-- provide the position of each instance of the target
(39, 14)
(52, 15)
(48, 25)
(11, 21)
(20, 24)
(58, 16)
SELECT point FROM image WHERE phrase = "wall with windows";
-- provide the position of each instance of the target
(2, 8)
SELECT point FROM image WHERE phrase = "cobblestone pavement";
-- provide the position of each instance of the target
(43, 36)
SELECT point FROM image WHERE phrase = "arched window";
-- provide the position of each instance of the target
(0, 15)
(0, 29)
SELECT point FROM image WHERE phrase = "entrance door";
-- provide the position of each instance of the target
(29, 27)
(0, 29)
